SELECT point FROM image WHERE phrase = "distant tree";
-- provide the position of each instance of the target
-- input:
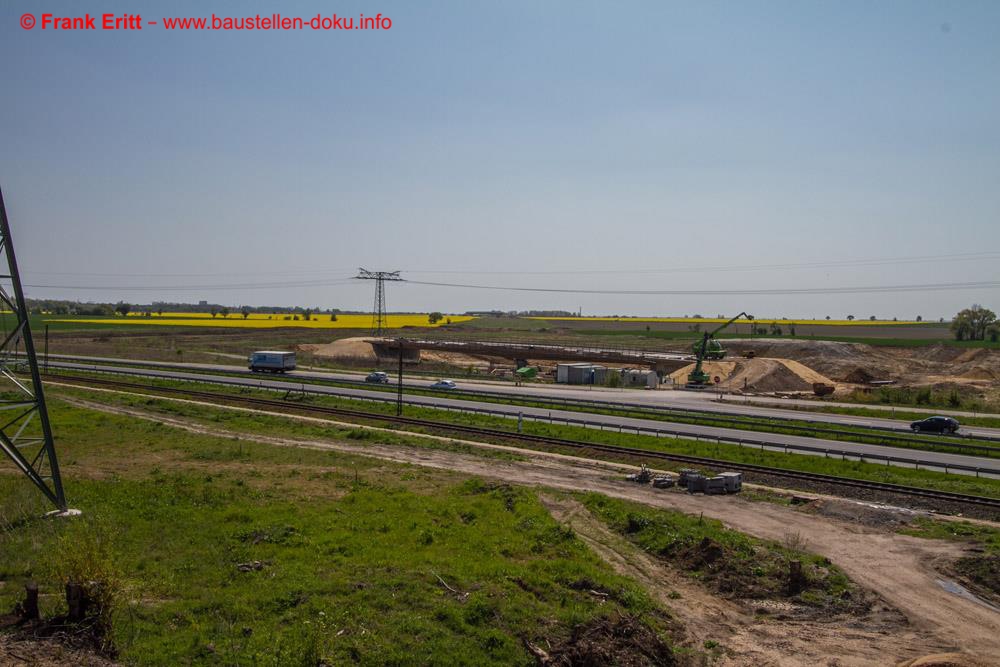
(159, 311)
(448, 321)
(827, 317)
(994, 333)
(791, 328)
(333, 317)
(872, 318)
(245, 312)
(214, 311)
(224, 312)
(850, 318)
(123, 308)
(307, 314)
(920, 318)
(435, 317)
(973, 323)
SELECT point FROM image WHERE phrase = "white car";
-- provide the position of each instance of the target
(444, 384)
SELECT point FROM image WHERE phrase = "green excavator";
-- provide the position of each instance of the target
(709, 348)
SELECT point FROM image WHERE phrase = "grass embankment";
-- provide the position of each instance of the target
(691, 337)
(220, 552)
(733, 564)
(723, 452)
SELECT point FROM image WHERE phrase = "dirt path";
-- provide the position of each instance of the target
(748, 640)
(897, 567)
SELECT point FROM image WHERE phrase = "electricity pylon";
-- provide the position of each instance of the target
(25, 432)
(379, 323)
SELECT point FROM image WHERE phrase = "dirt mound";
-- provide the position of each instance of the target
(345, 348)
(858, 376)
(758, 375)
(612, 640)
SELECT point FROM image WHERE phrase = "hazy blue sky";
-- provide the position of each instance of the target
(511, 137)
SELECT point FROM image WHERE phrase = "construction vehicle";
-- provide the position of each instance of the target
(644, 476)
(709, 348)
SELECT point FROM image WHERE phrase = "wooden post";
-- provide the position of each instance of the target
(76, 601)
(30, 602)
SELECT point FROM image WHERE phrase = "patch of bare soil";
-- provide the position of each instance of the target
(760, 375)
(946, 660)
(898, 568)
(346, 348)
(617, 640)
(748, 632)
(858, 363)
(16, 652)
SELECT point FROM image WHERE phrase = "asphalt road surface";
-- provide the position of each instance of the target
(777, 441)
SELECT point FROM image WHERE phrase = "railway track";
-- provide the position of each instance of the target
(546, 441)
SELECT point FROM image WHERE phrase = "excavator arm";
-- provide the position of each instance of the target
(698, 377)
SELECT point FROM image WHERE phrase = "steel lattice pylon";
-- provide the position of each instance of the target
(25, 432)
(379, 322)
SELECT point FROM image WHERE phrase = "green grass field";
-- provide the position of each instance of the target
(222, 551)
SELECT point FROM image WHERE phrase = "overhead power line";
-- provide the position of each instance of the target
(872, 289)
(856, 262)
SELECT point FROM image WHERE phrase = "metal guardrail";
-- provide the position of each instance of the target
(719, 416)
(622, 428)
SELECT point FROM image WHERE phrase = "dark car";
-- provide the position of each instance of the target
(935, 425)
(378, 376)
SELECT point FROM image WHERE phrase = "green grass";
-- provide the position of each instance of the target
(732, 563)
(724, 452)
(986, 537)
(351, 549)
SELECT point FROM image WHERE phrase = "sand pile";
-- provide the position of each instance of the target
(358, 349)
(758, 375)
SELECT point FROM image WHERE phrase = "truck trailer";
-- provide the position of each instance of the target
(271, 362)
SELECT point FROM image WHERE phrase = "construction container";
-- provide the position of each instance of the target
(715, 485)
(581, 373)
(734, 481)
(685, 475)
(696, 483)
(639, 377)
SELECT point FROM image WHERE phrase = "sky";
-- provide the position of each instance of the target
(718, 147)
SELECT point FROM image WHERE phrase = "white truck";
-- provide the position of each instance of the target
(272, 362)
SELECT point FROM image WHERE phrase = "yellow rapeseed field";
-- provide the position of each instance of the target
(265, 321)
(711, 320)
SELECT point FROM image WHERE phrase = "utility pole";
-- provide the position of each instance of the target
(399, 382)
(379, 323)
(25, 434)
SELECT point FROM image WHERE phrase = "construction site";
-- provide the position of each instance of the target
(655, 334)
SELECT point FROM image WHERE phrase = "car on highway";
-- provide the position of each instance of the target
(935, 425)
(378, 377)
(444, 384)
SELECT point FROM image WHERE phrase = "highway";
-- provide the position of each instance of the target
(776, 441)
(691, 400)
